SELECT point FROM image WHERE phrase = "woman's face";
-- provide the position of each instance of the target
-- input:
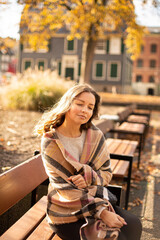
(81, 108)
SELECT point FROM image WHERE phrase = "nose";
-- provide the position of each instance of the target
(84, 109)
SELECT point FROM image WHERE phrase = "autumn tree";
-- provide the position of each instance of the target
(86, 19)
(6, 43)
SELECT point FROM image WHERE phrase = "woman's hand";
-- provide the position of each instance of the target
(78, 180)
(112, 219)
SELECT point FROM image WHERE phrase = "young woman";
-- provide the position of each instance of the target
(77, 162)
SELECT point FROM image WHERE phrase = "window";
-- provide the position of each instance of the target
(122, 45)
(107, 43)
(70, 46)
(139, 78)
(114, 71)
(152, 63)
(27, 64)
(100, 47)
(142, 48)
(153, 48)
(115, 45)
(69, 67)
(79, 69)
(5, 58)
(151, 79)
(41, 65)
(139, 63)
(4, 66)
(99, 70)
(59, 68)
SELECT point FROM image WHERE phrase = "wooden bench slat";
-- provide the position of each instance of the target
(56, 238)
(119, 146)
(42, 232)
(131, 148)
(121, 169)
(15, 185)
(112, 145)
(28, 222)
(131, 127)
(138, 119)
(114, 163)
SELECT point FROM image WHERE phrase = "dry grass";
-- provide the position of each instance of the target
(33, 90)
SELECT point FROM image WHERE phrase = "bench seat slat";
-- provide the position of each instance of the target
(112, 145)
(138, 119)
(28, 222)
(114, 163)
(131, 148)
(42, 232)
(121, 169)
(118, 146)
(56, 238)
(131, 127)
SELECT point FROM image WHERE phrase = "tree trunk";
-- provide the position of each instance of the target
(87, 59)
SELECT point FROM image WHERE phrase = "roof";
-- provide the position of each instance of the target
(154, 30)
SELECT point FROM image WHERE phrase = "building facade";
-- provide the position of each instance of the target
(111, 67)
(146, 68)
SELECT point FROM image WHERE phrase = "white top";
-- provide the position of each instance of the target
(73, 145)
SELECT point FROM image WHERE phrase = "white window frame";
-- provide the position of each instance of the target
(27, 59)
(42, 59)
(112, 49)
(109, 78)
(94, 70)
(64, 64)
(4, 66)
(5, 58)
(75, 46)
(26, 48)
(100, 43)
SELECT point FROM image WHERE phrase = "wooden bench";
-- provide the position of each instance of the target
(121, 153)
(132, 129)
(131, 125)
(129, 115)
(17, 184)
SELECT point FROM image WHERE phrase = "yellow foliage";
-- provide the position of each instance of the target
(83, 18)
(7, 43)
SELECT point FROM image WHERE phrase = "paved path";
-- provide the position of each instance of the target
(145, 191)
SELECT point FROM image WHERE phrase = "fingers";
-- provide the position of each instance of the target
(120, 222)
(112, 219)
(78, 180)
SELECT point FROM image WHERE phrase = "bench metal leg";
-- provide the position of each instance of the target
(34, 197)
(140, 149)
(128, 183)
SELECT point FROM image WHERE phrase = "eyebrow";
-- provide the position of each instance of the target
(83, 101)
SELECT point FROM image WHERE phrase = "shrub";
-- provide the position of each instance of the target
(34, 90)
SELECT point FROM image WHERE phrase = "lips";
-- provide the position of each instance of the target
(82, 116)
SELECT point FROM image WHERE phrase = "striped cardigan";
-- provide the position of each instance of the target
(67, 203)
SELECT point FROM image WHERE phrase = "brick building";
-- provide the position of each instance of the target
(146, 68)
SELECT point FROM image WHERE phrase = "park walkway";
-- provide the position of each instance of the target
(145, 191)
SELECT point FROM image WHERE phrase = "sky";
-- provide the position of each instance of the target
(10, 17)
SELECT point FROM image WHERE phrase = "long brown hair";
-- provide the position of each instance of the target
(55, 117)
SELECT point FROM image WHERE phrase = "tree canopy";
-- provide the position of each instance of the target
(82, 18)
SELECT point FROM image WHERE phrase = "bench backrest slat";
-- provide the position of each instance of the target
(16, 183)
(105, 125)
